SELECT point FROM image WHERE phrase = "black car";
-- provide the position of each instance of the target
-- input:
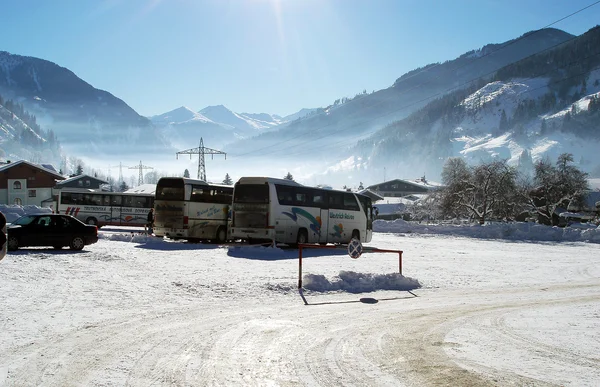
(50, 230)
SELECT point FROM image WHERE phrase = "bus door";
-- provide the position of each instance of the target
(324, 225)
(116, 202)
(319, 199)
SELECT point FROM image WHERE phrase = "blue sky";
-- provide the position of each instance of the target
(273, 56)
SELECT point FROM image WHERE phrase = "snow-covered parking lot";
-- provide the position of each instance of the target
(134, 310)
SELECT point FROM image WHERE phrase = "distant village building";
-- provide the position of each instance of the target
(24, 183)
(402, 188)
(82, 181)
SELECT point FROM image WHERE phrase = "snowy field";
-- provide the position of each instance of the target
(477, 306)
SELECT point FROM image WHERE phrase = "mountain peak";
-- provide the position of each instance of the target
(181, 114)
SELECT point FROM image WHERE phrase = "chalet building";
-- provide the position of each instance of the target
(81, 181)
(402, 188)
(24, 183)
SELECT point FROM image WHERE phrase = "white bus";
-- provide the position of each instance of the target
(269, 209)
(105, 208)
(191, 209)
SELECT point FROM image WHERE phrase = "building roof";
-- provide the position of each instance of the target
(37, 166)
(75, 178)
(420, 182)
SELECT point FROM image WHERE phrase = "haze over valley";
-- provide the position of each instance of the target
(524, 99)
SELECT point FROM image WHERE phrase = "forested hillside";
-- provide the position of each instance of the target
(21, 137)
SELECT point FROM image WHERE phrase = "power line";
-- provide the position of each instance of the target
(342, 142)
(304, 134)
(369, 133)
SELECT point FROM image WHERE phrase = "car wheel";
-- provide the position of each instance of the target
(77, 243)
(12, 244)
(221, 235)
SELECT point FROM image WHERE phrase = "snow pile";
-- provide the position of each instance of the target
(353, 282)
(584, 232)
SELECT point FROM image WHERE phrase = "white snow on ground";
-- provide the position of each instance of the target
(476, 305)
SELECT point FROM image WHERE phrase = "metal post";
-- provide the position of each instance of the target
(400, 261)
(299, 266)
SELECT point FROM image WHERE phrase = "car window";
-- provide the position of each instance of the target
(65, 222)
(24, 220)
(43, 221)
(59, 222)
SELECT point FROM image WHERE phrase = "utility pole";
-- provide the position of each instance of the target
(141, 167)
(120, 171)
(201, 151)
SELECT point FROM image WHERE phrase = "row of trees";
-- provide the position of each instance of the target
(496, 191)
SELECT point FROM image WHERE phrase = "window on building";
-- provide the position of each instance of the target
(17, 185)
(18, 202)
(32, 193)
(80, 183)
(87, 183)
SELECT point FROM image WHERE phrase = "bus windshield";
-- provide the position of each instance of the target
(251, 193)
(170, 189)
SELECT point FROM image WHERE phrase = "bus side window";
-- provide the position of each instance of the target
(116, 200)
(300, 199)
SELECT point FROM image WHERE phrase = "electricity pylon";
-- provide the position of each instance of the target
(201, 151)
(120, 171)
(141, 167)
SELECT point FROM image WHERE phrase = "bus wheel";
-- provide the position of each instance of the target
(302, 236)
(92, 221)
(356, 235)
(221, 235)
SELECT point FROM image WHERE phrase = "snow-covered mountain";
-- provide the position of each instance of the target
(217, 125)
(537, 108)
(179, 115)
(246, 124)
(184, 127)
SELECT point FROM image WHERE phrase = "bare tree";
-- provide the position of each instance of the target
(556, 186)
(487, 191)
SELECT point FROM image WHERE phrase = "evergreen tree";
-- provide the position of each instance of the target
(123, 187)
(289, 177)
(227, 180)
(79, 170)
(360, 186)
(186, 173)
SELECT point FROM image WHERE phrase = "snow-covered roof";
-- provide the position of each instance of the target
(144, 188)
